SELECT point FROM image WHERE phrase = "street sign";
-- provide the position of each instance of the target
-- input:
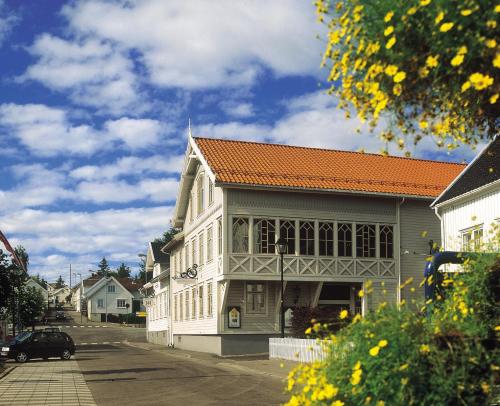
(147, 301)
(140, 314)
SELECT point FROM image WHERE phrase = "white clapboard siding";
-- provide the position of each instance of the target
(298, 349)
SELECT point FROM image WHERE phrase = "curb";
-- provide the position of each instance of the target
(7, 371)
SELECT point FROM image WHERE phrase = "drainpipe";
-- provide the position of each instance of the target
(441, 222)
(398, 252)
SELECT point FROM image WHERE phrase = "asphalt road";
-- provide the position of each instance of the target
(118, 374)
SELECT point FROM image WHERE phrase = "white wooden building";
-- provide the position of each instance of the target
(469, 208)
(347, 218)
(157, 292)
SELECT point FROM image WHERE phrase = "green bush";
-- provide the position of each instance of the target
(397, 356)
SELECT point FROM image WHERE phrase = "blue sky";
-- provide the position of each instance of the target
(95, 98)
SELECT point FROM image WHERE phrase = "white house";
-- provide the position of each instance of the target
(77, 299)
(112, 296)
(469, 208)
(33, 283)
(346, 217)
(158, 324)
(58, 295)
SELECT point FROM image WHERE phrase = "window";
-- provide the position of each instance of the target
(100, 303)
(191, 202)
(306, 238)
(193, 303)
(264, 236)
(121, 303)
(201, 193)
(200, 249)
(175, 308)
(186, 255)
(240, 234)
(181, 311)
(219, 236)
(472, 239)
(209, 299)
(210, 244)
(287, 232)
(365, 240)
(255, 298)
(326, 239)
(200, 301)
(344, 238)
(210, 192)
(111, 288)
(386, 236)
(186, 303)
(181, 254)
(193, 251)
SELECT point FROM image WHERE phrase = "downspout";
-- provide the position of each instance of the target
(441, 222)
(398, 252)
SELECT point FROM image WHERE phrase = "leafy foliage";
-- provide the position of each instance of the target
(31, 304)
(59, 282)
(432, 64)
(103, 268)
(123, 271)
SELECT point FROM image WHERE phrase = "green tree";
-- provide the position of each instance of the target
(23, 256)
(31, 304)
(428, 67)
(103, 268)
(40, 280)
(59, 282)
(123, 271)
(167, 236)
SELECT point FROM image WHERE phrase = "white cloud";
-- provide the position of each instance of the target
(238, 110)
(94, 72)
(7, 20)
(233, 130)
(56, 239)
(47, 131)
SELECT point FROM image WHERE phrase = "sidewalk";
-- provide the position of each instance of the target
(257, 364)
(51, 383)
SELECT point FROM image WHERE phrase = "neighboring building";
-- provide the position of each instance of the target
(158, 325)
(112, 296)
(33, 283)
(469, 208)
(347, 218)
(77, 299)
(57, 296)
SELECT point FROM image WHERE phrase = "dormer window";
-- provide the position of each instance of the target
(111, 288)
(201, 193)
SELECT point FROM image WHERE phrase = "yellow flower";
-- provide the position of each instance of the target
(388, 31)
(432, 61)
(390, 43)
(423, 125)
(466, 12)
(356, 318)
(423, 72)
(425, 2)
(382, 343)
(480, 81)
(491, 43)
(465, 86)
(446, 27)
(356, 377)
(462, 50)
(380, 403)
(343, 314)
(485, 387)
(491, 24)
(457, 60)
(338, 403)
(308, 330)
(439, 17)
(388, 16)
(412, 11)
(496, 61)
(403, 367)
(357, 365)
(391, 70)
(361, 293)
(374, 351)
(497, 9)
(497, 328)
(399, 77)
(424, 349)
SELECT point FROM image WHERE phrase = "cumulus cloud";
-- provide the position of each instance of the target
(47, 131)
(237, 110)
(56, 239)
(7, 21)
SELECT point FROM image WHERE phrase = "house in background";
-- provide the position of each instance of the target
(77, 299)
(157, 290)
(112, 296)
(469, 208)
(347, 218)
(33, 283)
(57, 296)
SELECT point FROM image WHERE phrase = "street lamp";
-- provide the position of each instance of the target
(281, 245)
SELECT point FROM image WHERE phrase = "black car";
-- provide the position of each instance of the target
(40, 344)
(60, 315)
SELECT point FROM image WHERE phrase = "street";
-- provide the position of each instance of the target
(119, 367)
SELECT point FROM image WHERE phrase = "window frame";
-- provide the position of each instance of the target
(200, 194)
(360, 248)
(193, 303)
(384, 244)
(264, 294)
(243, 224)
(210, 192)
(325, 242)
(210, 307)
(307, 240)
(124, 303)
(269, 236)
(219, 236)
(474, 243)
(210, 244)
(201, 298)
(100, 303)
(109, 290)
(201, 253)
(290, 240)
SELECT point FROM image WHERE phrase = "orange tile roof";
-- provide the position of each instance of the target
(273, 165)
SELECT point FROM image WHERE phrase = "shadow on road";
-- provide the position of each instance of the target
(123, 371)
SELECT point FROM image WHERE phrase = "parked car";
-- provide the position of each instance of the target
(40, 344)
(52, 329)
(60, 315)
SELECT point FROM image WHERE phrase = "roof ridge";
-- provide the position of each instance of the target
(327, 149)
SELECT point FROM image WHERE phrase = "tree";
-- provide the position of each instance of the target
(31, 304)
(123, 271)
(167, 236)
(429, 67)
(40, 280)
(103, 267)
(23, 256)
(59, 282)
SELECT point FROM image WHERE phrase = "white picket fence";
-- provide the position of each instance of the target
(297, 349)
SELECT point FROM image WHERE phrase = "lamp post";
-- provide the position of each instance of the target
(281, 245)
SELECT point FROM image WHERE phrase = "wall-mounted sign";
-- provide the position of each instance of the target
(234, 316)
(147, 302)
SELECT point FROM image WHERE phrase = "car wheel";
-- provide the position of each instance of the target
(66, 355)
(21, 357)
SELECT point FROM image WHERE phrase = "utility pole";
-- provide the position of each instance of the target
(70, 285)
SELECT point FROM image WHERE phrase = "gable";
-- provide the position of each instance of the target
(482, 171)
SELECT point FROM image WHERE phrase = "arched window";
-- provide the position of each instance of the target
(287, 232)
(240, 235)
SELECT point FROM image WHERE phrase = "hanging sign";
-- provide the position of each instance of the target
(234, 316)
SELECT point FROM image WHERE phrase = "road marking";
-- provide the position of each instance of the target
(116, 342)
(106, 342)
(94, 343)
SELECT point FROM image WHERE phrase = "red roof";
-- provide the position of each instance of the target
(273, 165)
